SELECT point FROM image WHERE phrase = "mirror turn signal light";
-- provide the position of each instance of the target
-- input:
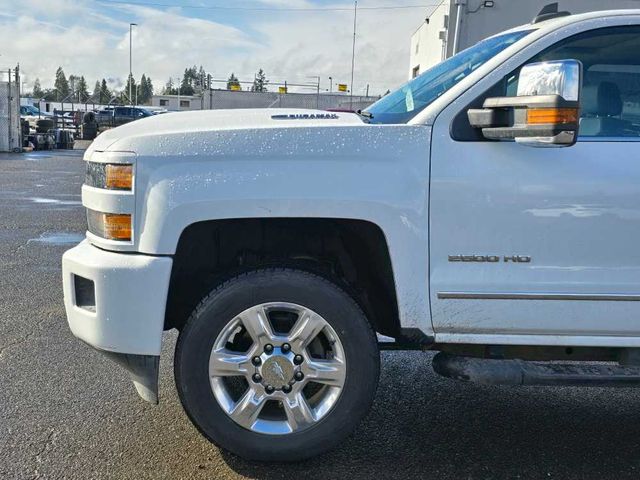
(540, 116)
(119, 177)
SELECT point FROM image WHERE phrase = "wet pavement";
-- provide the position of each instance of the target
(67, 412)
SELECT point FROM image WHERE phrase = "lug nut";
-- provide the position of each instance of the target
(286, 388)
(269, 389)
(256, 361)
(298, 359)
(268, 348)
(256, 377)
(286, 348)
(298, 375)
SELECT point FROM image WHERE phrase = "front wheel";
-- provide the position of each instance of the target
(277, 365)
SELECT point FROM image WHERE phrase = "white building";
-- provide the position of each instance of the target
(436, 39)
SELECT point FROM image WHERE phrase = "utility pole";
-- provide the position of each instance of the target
(179, 83)
(317, 77)
(456, 33)
(131, 25)
(353, 50)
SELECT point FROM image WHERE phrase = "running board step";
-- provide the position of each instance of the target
(519, 372)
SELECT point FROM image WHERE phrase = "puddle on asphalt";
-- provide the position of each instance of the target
(46, 154)
(54, 201)
(58, 238)
(36, 156)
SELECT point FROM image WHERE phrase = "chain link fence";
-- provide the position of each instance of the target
(10, 111)
(224, 99)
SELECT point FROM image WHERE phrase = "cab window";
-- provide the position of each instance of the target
(610, 103)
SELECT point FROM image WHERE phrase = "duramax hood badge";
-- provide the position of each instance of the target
(305, 116)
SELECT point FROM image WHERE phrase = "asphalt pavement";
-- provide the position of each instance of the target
(68, 412)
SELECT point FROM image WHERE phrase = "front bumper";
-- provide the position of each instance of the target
(116, 303)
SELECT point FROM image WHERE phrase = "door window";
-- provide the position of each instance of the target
(610, 104)
(610, 57)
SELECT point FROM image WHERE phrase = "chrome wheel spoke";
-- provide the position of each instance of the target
(328, 372)
(276, 367)
(246, 410)
(298, 411)
(256, 322)
(224, 363)
(305, 330)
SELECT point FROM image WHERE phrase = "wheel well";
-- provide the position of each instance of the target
(352, 253)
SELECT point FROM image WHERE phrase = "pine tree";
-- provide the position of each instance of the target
(72, 80)
(145, 90)
(169, 89)
(37, 89)
(50, 95)
(82, 92)
(140, 89)
(105, 94)
(95, 95)
(201, 80)
(61, 85)
(188, 81)
(131, 82)
(233, 83)
(149, 88)
(260, 82)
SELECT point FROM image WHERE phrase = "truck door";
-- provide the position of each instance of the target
(543, 241)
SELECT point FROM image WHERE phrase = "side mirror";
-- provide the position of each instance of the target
(545, 112)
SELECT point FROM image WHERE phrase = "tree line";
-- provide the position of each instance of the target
(195, 80)
(74, 88)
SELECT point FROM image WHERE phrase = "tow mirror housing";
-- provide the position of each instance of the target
(544, 113)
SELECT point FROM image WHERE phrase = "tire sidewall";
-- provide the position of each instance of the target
(222, 306)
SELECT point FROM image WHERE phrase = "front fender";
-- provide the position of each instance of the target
(378, 174)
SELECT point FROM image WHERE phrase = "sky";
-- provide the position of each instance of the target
(292, 40)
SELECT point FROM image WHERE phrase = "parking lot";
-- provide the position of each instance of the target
(67, 412)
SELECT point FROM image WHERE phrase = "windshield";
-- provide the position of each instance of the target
(405, 103)
(30, 110)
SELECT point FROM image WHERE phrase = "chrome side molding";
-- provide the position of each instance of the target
(593, 297)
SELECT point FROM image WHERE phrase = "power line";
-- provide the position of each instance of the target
(273, 9)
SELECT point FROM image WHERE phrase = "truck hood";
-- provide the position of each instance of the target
(139, 136)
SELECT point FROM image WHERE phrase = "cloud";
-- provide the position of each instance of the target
(322, 46)
(92, 39)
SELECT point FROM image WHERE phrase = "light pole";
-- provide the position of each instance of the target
(330, 84)
(131, 25)
(353, 50)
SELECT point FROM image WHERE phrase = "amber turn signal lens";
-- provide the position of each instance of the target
(539, 116)
(112, 226)
(119, 177)
(117, 226)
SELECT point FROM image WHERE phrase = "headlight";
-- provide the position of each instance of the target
(112, 226)
(112, 176)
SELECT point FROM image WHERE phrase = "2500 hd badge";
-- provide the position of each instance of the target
(490, 258)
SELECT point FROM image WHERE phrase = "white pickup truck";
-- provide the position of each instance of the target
(280, 242)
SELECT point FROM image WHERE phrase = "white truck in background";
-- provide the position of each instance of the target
(279, 242)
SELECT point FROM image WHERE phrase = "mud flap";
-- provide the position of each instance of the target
(143, 370)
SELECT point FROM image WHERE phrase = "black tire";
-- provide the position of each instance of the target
(89, 117)
(196, 341)
(45, 123)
